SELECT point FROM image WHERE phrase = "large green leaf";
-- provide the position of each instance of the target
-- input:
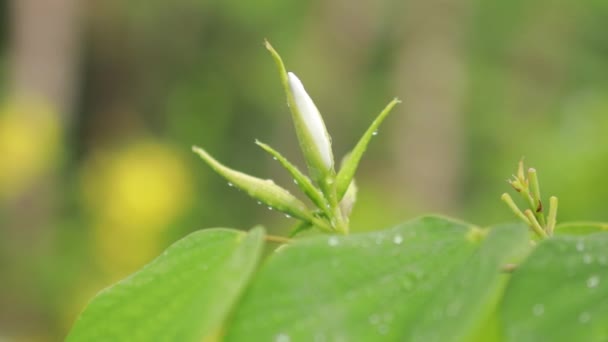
(183, 295)
(560, 293)
(430, 279)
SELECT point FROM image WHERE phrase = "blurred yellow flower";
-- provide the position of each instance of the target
(133, 195)
(30, 137)
(146, 184)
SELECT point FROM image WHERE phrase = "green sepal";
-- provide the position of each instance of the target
(300, 227)
(349, 167)
(264, 190)
(348, 200)
(299, 178)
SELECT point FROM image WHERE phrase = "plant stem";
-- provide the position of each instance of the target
(534, 224)
(277, 239)
(552, 218)
(537, 204)
(514, 208)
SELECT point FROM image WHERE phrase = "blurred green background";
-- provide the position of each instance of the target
(100, 102)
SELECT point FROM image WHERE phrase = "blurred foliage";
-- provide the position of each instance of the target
(154, 80)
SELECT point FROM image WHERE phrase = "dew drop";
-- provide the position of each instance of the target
(406, 284)
(383, 329)
(295, 182)
(593, 281)
(379, 239)
(587, 258)
(269, 208)
(398, 239)
(320, 337)
(275, 158)
(282, 338)
(375, 133)
(584, 317)
(388, 317)
(230, 184)
(333, 241)
(538, 310)
(287, 215)
(259, 203)
(580, 246)
(453, 308)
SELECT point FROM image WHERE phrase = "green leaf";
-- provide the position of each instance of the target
(300, 179)
(349, 167)
(560, 293)
(580, 228)
(430, 279)
(183, 295)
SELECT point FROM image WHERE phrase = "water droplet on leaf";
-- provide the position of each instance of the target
(593, 281)
(333, 241)
(282, 338)
(587, 258)
(538, 310)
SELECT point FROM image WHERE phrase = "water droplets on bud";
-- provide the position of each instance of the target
(333, 241)
(593, 281)
(398, 239)
(538, 310)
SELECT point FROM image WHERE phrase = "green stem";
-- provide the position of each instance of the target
(534, 224)
(536, 202)
(552, 218)
(514, 208)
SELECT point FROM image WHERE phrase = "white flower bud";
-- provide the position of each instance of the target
(312, 119)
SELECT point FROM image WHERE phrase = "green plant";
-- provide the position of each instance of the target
(428, 279)
(333, 193)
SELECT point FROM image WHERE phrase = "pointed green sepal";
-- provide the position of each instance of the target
(300, 227)
(299, 178)
(264, 190)
(279, 62)
(348, 169)
(313, 138)
(348, 200)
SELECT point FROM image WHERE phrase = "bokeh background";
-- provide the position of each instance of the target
(100, 102)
